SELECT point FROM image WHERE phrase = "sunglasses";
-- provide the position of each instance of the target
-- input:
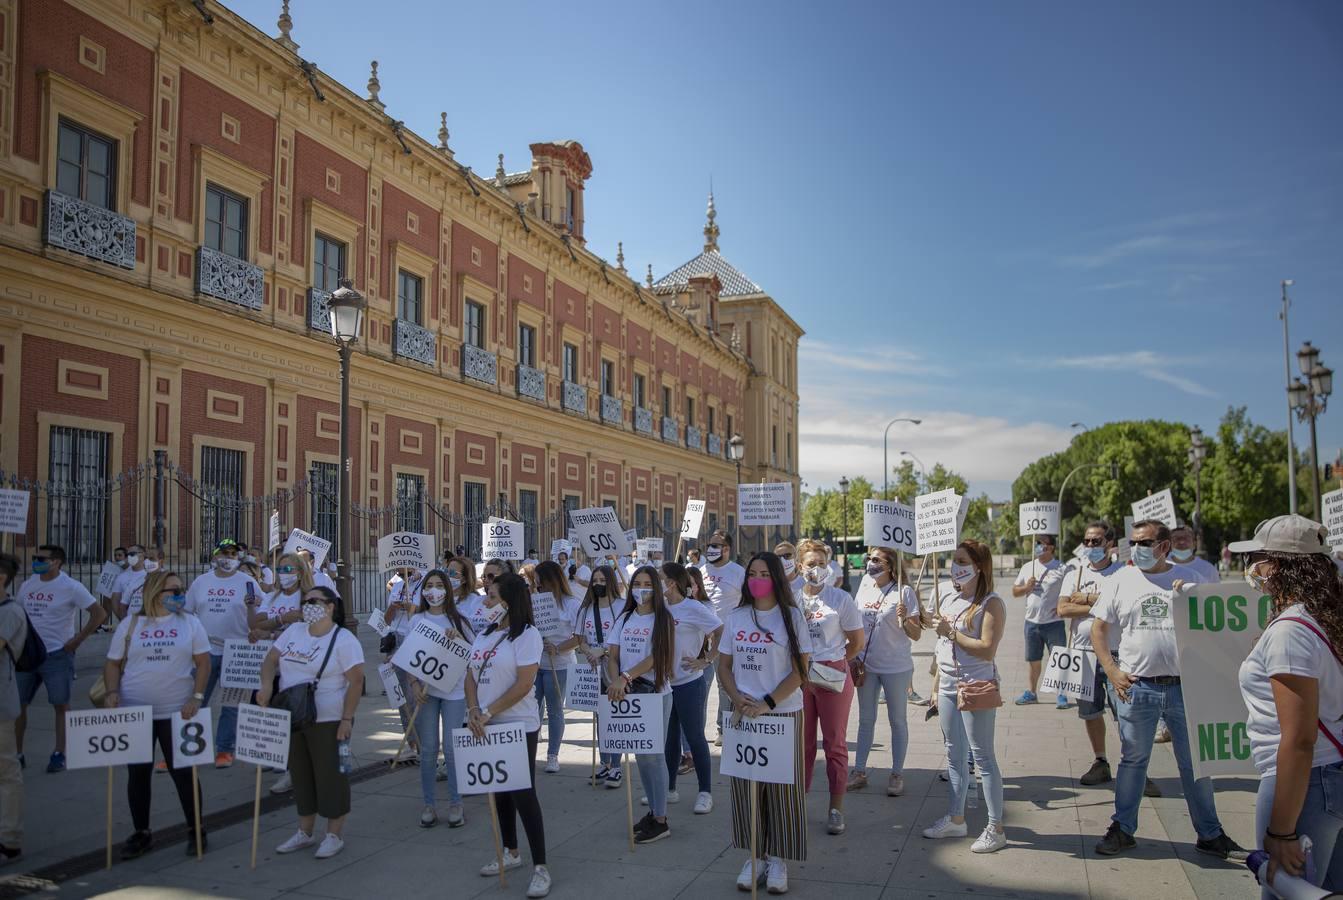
(1093, 542)
(785, 556)
(42, 559)
(286, 570)
(1148, 542)
(311, 600)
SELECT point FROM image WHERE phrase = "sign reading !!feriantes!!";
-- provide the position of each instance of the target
(765, 504)
(599, 532)
(888, 524)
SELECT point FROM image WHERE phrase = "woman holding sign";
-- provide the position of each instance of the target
(499, 688)
(159, 657)
(764, 655)
(559, 644)
(697, 632)
(595, 619)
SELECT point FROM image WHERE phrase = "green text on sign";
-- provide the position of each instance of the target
(1223, 741)
(1212, 612)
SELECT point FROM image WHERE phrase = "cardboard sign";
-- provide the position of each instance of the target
(765, 504)
(109, 737)
(759, 749)
(632, 538)
(501, 539)
(274, 543)
(263, 736)
(935, 521)
(1124, 546)
(430, 656)
(1159, 506)
(888, 524)
(496, 762)
(560, 545)
(406, 550)
(632, 725)
(1216, 626)
(302, 540)
(693, 518)
(391, 685)
(1332, 504)
(648, 546)
(242, 664)
(107, 578)
(14, 511)
(583, 688)
(1070, 672)
(599, 532)
(549, 619)
(378, 622)
(193, 739)
(1038, 518)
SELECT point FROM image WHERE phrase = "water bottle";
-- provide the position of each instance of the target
(1288, 887)
(346, 757)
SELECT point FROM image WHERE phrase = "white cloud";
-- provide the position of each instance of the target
(872, 360)
(1141, 363)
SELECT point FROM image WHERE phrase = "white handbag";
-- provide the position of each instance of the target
(826, 678)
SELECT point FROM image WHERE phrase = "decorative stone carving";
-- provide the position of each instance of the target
(90, 230)
(229, 278)
(531, 383)
(414, 342)
(481, 365)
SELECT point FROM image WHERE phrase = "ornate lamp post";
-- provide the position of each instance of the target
(736, 451)
(1310, 399)
(347, 321)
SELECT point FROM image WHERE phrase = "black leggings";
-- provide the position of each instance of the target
(528, 808)
(142, 774)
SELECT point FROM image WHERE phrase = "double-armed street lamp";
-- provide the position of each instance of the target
(844, 540)
(1310, 398)
(885, 462)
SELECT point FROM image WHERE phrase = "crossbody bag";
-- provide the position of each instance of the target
(826, 677)
(301, 699)
(98, 690)
(1319, 634)
(858, 665)
(974, 694)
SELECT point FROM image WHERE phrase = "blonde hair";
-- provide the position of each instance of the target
(304, 572)
(150, 604)
(811, 545)
(778, 548)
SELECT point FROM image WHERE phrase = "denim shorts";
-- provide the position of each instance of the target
(57, 673)
(1055, 634)
(1100, 698)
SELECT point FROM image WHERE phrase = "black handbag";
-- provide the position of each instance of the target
(387, 645)
(301, 699)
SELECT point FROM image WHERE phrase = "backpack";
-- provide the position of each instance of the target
(34, 652)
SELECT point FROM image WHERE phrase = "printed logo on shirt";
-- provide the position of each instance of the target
(304, 655)
(750, 648)
(1155, 612)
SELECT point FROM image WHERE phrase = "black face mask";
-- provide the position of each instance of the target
(599, 591)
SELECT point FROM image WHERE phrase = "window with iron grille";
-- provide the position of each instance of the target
(527, 345)
(666, 401)
(409, 297)
(729, 431)
(668, 518)
(325, 490)
(713, 522)
(474, 508)
(225, 222)
(328, 263)
(222, 473)
(409, 502)
(529, 505)
(711, 419)
(77, 503)
(690, 410)
(571, 503)
(475, 324)
(86, 165)
(640, 517)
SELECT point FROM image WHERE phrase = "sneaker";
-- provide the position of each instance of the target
(944, 775)
(441, 773)
(777, 880)
(915, 699)
(642, 823)
(408, 754)
(652, 831)
(331, 845)
(1115, 841)
(834, 824)
(552, 766)
(23, 763)
(673, 796)
(56, 763)
(9, 854)
(761, 873)
(615, 778)
(932, 712)
(718, 742)
(1150, 789)
(300, 840)
(895, 785)
(540, 885)
(283, 785)
(989, 841)
(1223, 847)
(191, 841)
(1099, 773)
(1162, 734)
(944, 828)
(428, 818)
(1026, 697)
(161, 767)
(703, 803)
(857, 780)
(687, 764)
(512, 860)
(456, 816)
(600, 775)
(223, 760)
(1061, 702)
(137, 845)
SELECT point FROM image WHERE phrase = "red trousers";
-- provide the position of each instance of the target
(831, 709)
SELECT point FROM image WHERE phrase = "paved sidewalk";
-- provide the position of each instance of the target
(1052, 825)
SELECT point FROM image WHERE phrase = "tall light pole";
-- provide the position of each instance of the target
(736, 451)
(1082, 425)
(923, 473)
(885, 463)
(844, 540)
(1114, 474)
(1197, 452)
(347, 318)
(1287, 364)
(1310, 399)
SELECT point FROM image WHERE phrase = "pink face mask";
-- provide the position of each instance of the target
(760, 587)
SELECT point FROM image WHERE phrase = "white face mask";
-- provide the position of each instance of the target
(961, 575)
(313, 613)
(288, 581)
(133, 559)
(1181, 556)
(713, 554)
(816, 575)
(249, 558)
(435, 596)
(1254, 580)
(495, 613)
(151, 565)
(641, 595)
(226, 564)
(789, 567)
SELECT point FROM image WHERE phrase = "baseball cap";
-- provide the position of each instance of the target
(226, 544)
(1286, 534)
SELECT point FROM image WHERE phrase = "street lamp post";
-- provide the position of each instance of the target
(844, 539)
(346, 306)
(1287, 364)
(885, 463)
(1114, 474)
(1197, 452)
(923, 472)
(1310, 399)
(736, 451)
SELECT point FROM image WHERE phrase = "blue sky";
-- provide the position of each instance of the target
(999, 218)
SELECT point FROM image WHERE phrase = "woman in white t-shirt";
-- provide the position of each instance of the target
(319, 650)
(282, 607)
(499, 689)
(559, 646)
(891, 620)
(764, 655)
(969, 627)
(1292, 685)
(594, 620)
(837, 636)
(698, 629)
(159, 657)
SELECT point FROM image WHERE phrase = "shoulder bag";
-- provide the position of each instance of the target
(858, 665)
(1319, 634)
(301, 699)
(98, 690)
(975, 694)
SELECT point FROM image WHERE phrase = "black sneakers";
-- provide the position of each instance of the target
(1223, 848)
(1151, 790)
(1115, 841)
(137, 845)
(649, 829)
(1099, 773)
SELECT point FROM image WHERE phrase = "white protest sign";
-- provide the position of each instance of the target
(1159, 506)
(560, 545)
(496, 762)
(693, 518)
(107, 577)
(406, 550)
(391, 685)
(1038, 518)
(501, 539)
(1070, 672)
(583, 688)
(632, 538)
(1332, 504)
(935, 517)
(1124, 546)
(888, 524)
(765, 504)
(274, 543)
(549, 618)
(378, 622)
(428, 654)
(14, 511)
(302, 540)
(632, 725)
(263, 736)
(648, 546)
(1216, 626)
(760, 749)
(241, 666)
(599, 532)
(193, 739)
(109, 737)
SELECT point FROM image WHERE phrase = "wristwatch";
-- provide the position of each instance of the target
(198, 696)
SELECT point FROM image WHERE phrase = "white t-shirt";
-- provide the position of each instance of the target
(279, 603)
(301, 657)
(1197, 570)
(723, 586)
(130, 584)
(1138, 604)
(159, 670)
(1090, 581)
(757, 643)
(956, 663)
(889, 650)
(52, 606)
(495, 661)
(444, 624)
(400, 620)
(1290, 648)
(582, 574)
(634, 636)
(322, 579)
(472, 608)
(1042, 603)
(569, 605)
(829, 614)
(836, 572)
(694, 622)
(585, 625)
(221, 605)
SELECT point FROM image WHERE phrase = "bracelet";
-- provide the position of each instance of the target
(473, 709)
(1282, 837)
(626, 676)
(769, 701)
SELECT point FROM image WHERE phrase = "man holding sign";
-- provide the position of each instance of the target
(1039, 582)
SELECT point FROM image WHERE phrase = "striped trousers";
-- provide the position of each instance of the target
(782, 813)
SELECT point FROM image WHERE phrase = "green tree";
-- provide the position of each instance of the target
(1244, 477)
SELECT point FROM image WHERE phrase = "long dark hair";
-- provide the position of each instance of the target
(550, 577)
(468, 568)
(590, 601)
(664, 626)
(1312, 580)
(517, 599)
(697, 576)
(783, 595)
(677, 575)
(449, 601)
(330, 596)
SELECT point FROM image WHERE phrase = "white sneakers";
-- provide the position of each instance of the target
(945, 828)
(672, 797)
(771, 870)
(331, 845)
(989, 841)
(511, 861)
(300, 840)
(540, 885)
(703, 803)
(552, 766)
(284, 785)
(761, 873)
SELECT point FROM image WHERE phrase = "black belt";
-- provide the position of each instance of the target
(1159, 679)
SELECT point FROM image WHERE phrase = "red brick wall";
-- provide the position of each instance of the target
(568, 483)
(423, 458)
(395, 205)
(311, 160)
(517, 268)
(463, 240)
(307, 439)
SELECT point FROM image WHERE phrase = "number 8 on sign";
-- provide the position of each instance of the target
(192, 739)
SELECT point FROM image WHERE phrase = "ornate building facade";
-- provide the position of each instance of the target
(180, 193)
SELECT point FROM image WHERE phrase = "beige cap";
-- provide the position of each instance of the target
(1286, 534)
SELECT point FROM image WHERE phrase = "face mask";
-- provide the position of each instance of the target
(455, 581)
(1096, 554)
(151, 565)
(875, 568)
(1144, 557)
(133, 559)
(495, 613)
(1181, 556)
(288, 581)
(41, 567)
(760, 587)
(817, 575)
(227, 565)
(641, 595)
(789, 567)
(598, 591)
(1253, 580)
(249, 559)
(961, 575)
(124, 564)
(713, 554)
(174, 603)
(1040, 549)
(313, 613)
(435, 596)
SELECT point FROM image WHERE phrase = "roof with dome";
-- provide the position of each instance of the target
(711, 261)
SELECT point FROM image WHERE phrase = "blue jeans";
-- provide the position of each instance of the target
(687, 721)
(1321, 818)
(550, 705)
(896, 687)
(228, 715)
(435, 721)
(1146, 705)
(653, 767)
(967, 732)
